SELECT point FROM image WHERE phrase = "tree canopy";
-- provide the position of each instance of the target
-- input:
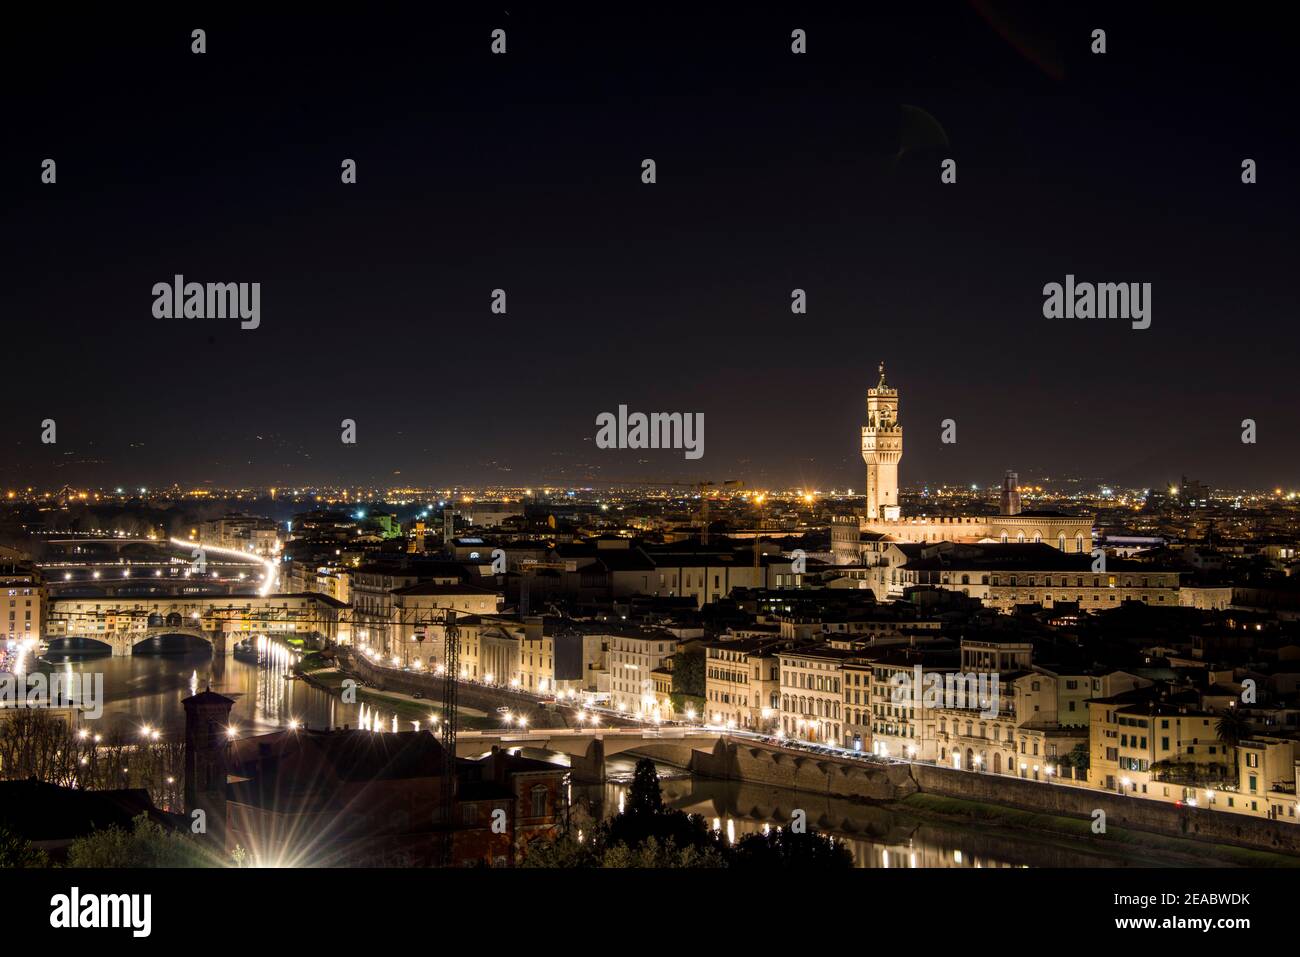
(649, 834)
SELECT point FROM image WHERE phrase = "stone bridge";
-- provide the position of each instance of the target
(588, 748)
(123, 643)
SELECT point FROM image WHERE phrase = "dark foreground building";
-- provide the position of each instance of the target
(361, 798)
(52, 817)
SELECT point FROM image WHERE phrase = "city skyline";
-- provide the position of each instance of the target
(665, 471)
(774, 440)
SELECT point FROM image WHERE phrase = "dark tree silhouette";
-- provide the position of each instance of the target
(781, 848)
(646, 796)
(17, 851)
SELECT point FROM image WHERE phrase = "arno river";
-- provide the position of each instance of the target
(146, 690)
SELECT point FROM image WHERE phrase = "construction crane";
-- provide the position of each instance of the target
(446, 617)
(758, 501)
(450, 723)
(701, 487)
(704, 504)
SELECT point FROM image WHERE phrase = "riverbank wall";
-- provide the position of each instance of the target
(471, 695)
(742, 760)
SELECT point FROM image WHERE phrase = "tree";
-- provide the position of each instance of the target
(17, 851)
(646, 796)
(1232, 729)
(563, 852)
(147, 844)
(653, 854)
(688, 681)
(1078, 758)
(645, 816)
(783, 849)
(36, 744)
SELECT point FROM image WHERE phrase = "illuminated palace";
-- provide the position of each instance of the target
(856, 539)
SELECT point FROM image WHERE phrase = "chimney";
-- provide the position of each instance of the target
(497, 764)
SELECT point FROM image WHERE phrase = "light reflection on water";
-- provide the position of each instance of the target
(148, 689)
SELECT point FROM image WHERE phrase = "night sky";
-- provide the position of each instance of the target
(522, 171)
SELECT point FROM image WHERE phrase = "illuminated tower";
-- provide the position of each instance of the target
(1011, 494)
(882, 447)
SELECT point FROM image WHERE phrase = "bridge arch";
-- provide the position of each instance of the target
(154, 640)
(77, 645)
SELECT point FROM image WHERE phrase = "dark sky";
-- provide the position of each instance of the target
(522, 171)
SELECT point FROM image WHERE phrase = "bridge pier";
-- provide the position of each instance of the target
(589, 768)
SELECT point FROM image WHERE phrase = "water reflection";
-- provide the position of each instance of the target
(148, 689)
(876, 836)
